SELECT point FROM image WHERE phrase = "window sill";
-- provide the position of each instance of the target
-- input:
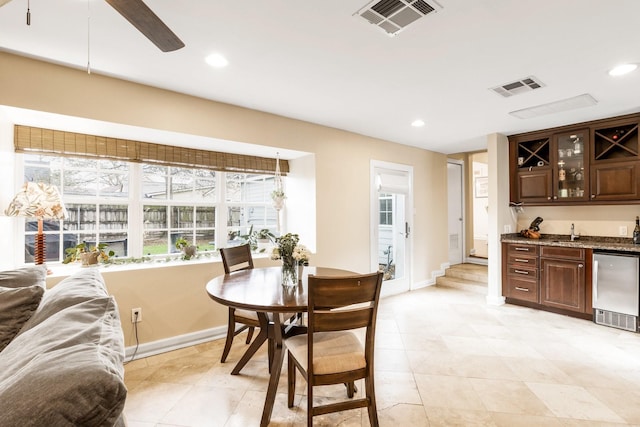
(64, 270)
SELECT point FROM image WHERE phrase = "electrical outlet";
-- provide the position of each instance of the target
(136, 315)
(507, 229)
(622, 231)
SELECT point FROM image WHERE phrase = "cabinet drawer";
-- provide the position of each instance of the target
(522, 289)
(560, 252)
(522, 271)
(516, 248)
(522, 260)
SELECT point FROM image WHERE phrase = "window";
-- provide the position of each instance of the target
(386, 209)
(248, 201)
(211, 209)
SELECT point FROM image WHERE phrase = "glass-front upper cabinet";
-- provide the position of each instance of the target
(570, 172)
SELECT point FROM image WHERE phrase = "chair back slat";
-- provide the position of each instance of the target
(342, 303)
(326, 321)
(334, 292)
(236, 258)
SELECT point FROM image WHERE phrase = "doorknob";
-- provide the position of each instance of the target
(407, 230)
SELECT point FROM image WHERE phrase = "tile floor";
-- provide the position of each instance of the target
(443, 358)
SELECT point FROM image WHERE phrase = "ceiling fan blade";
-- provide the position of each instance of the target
(3, 2)
(147, 22)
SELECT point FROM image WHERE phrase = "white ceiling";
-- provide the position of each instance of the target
(313, 60)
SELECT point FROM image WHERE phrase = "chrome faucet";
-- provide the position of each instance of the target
(574, 236)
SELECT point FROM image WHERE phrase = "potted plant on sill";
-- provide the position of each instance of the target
(88, 255)
(188, 251)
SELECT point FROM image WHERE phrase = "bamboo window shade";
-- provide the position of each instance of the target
(34, 140)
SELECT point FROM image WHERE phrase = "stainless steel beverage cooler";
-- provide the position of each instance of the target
(616, 298)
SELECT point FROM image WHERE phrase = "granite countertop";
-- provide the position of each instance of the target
(586, 242)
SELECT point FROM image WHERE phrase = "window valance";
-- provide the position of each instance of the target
(32, 140)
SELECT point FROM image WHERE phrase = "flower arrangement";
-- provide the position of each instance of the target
(292, 255)
(289, 251)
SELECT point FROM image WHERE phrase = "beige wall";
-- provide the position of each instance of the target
(173, 298)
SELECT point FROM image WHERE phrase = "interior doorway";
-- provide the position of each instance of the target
(455, 191)
(391, 222)
(480, 206)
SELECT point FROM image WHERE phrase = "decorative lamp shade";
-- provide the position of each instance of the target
(37, 200)
(41, 201)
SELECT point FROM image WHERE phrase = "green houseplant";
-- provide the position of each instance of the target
(88, 254)
(188, 251)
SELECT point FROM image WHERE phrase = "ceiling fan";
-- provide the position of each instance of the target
(147, 22)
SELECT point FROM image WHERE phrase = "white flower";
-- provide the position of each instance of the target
(275, 253)
(301, 254)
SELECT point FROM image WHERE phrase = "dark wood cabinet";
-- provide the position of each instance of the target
(552, 278)
(520, 278)
(563, 278)
(589, 163)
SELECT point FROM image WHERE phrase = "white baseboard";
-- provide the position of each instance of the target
(175, 343)
(476, 260)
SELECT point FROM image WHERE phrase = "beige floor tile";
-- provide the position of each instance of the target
(149, 402)
(402, 415)
(624, 403)
(518, 420)
(396, 387)
(203, 406)
(448, 392)
(451, 417)
(569, 401)
(512, 397)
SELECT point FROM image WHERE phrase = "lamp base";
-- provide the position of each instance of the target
(39, 255)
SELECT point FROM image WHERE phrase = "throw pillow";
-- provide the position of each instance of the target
(21, 277)
(17, 305)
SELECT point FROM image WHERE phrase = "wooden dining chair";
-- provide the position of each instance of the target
(331, 352)
(235, 259)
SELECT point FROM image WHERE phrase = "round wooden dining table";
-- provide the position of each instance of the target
(261, 290)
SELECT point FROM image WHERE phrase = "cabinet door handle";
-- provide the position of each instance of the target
(555, 197)
(518, 288)
(549, 198)
(522, 249)
(580, 265)
(521, 272)
(593, 196)
(526, 261)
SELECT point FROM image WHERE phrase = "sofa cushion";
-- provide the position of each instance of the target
(17, 305)
(22, 277)
(84, 285)
(66, 370)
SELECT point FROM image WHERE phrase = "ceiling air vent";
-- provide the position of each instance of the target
(519, 86)
(394, 16)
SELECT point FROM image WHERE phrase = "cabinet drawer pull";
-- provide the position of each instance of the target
(518, 288)
(523, 249)
(520, 271)
(526, 261)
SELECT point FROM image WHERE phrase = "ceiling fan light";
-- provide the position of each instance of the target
(622, 69)
(217, 60)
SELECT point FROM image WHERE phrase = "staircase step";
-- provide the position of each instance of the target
(461, 283)
(469, 272)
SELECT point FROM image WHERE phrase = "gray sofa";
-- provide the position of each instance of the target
(61, 351)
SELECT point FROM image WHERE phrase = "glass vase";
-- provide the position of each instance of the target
(289, 275)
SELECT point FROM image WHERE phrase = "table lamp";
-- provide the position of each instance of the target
(41, 201)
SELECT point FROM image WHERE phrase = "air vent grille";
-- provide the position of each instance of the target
(526, 84)
(393, 16)
(616, 320)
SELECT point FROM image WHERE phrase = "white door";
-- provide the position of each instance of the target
(455, 210)
(391, 205)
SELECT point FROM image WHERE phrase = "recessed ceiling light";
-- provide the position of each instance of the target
(417, 123)
(622, 69)
(217, 60)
